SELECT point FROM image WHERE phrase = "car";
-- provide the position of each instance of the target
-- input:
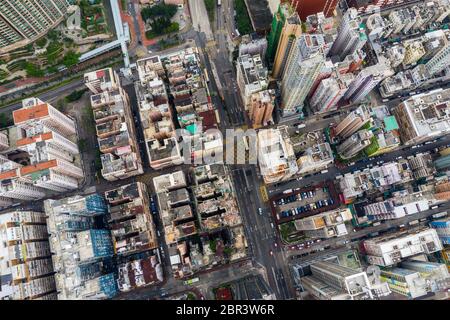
(325, 202)
(276, 245)
(159, 234)
(260, 211)
(271, 252)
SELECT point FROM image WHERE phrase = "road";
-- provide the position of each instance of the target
(334, 171)
(352, 236)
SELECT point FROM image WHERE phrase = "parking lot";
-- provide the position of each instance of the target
(299, 203)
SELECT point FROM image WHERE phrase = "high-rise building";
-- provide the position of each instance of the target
(45, 136)
(331, 281)
(355, 143)
(25, 258)
(424, 116)
(440, 61)
(276, 155)
(366, 80)
(413, 52)
(261, 107)
(292, 29)
(115, 129)
(353, 122)
(279, 18)
(389, 249)
(252, 77)
(80, 251)
(303, 67)
(22, 22)
(351, 35)
(329, 92)
(315, 158)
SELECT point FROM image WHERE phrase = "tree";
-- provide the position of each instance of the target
(33, 70)
(213, 245)
(71, 58)
(5, 120)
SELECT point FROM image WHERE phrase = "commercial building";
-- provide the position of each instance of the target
(25, 259)
(424, 116)
(251, 77)
(331, 281)
(276, 156)
(325, 225)
(25, 21)
(442, 190)
(114, 126)
(130, 220)
(81, 253)
(442, 228)
(261, 107)
(353, 122)
(387, 250)
(415, 278)
(351, 35)
(156, 115)
(398, 206)
(302, 69)
(290, 32)
(354, 144)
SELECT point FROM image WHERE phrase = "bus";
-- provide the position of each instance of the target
(205, 72)
(439, 215)
(191, 281)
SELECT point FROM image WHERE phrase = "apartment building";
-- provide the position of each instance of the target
(130, 220)
(79, 251)
(45, 137)
(315, 158)
(114, 126)
(353, 122)
(329, 92)
(25, 257)
(139, 273)
(331, 281)
(156, 115)
(440, 61)
(325, 225)
(276, 156)
(25, 21)
(355, 144)
(424, 116)
(387, 250)
(291, 30)
(252, 77)
(303, 67)
(366, 80)
(351, 36)
(261, 107)
(422, 166)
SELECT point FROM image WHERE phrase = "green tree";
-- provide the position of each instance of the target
(5, 120)
(33, 70)
(71, 58)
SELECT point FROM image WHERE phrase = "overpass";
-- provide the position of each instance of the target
(123, 37)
